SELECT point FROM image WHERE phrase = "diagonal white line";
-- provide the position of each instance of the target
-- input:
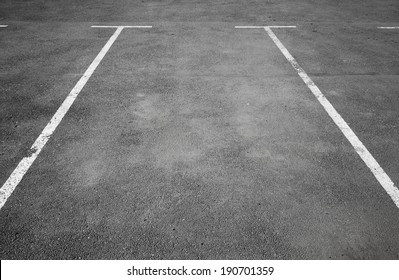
(24, 165)
(361, 150)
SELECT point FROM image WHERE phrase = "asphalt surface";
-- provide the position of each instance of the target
(195, 140)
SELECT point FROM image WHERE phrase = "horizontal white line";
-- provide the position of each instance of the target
(269, 26)
(124, 26)
(24, 165)
(2, 25)
(361, 150)
(388, 27)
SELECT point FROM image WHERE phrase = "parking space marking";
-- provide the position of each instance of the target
(388, 27)
(24, 165)
(2, 25)
(361, 150)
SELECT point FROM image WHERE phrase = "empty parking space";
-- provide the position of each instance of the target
(357, 70)
(40, 65)
(40, 142)
(197, 140)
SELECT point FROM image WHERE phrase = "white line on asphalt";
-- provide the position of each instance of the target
(24, 165)
(269, 26)
(362, 151)
(388, 27)
(2, 25)
(124, 26)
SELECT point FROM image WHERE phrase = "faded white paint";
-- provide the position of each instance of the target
(362, 151)
(16, 176)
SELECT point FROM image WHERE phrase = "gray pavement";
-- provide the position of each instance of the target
(195, 140)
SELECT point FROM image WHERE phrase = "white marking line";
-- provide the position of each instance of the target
(362, 151)
(24, 165)
(388, 27)
(269, 26)
(2, 25)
